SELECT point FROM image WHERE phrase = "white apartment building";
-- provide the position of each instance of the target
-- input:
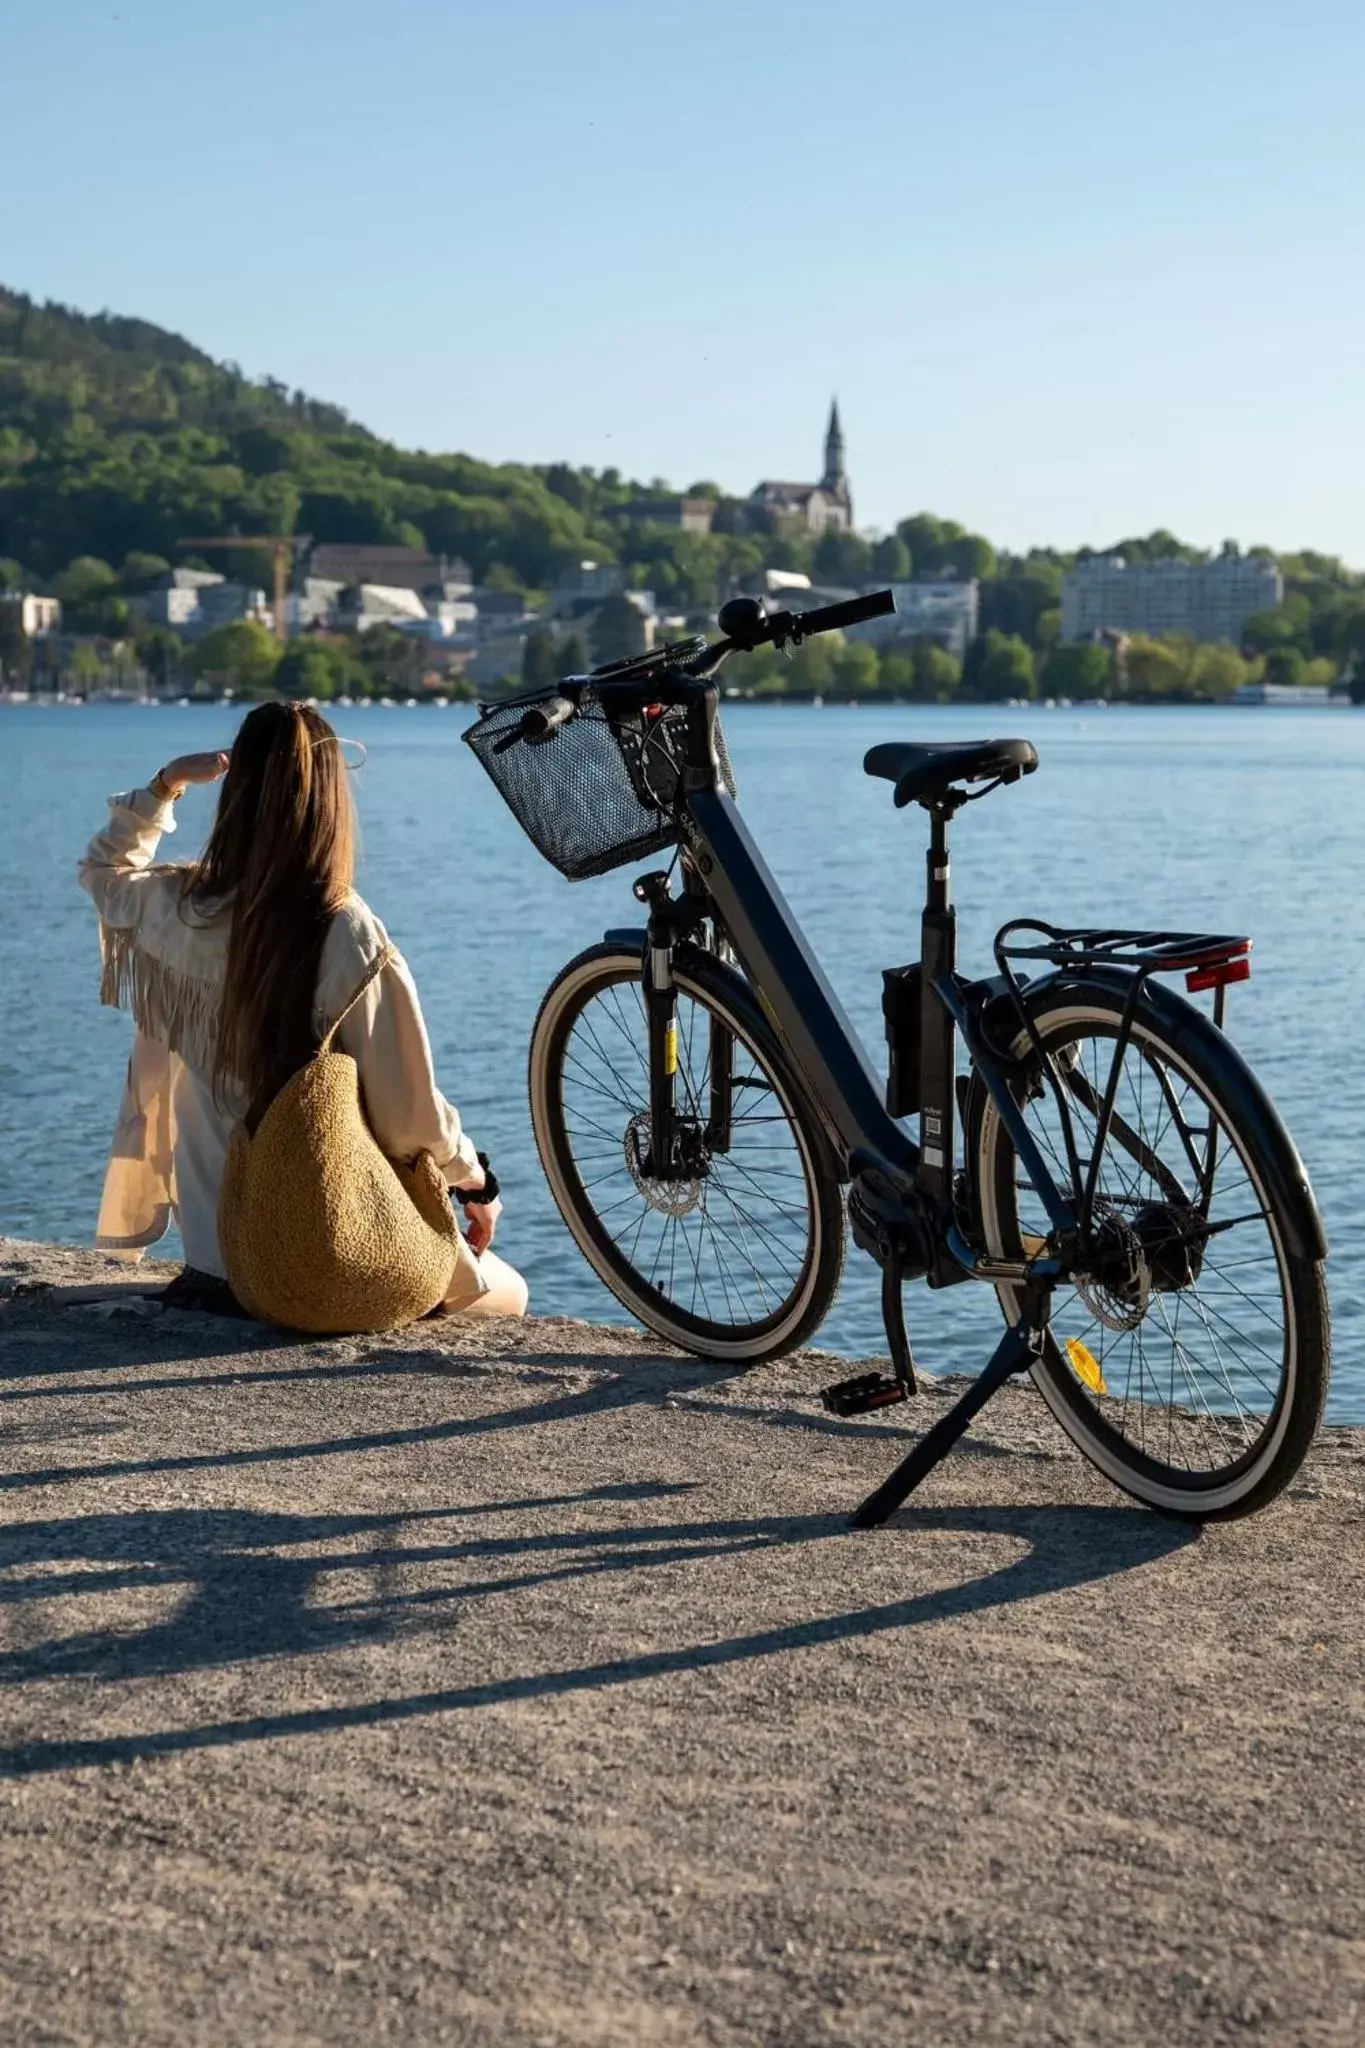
(1212, 599)
(38, 616)
(944, 611)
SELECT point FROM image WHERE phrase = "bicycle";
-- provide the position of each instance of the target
(706, 1115)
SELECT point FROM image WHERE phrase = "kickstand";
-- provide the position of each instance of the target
(893, 1317)
(1014, 1353)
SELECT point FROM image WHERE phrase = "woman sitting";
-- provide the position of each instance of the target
(234, 968)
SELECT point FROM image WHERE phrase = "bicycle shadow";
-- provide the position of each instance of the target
(243, 1601)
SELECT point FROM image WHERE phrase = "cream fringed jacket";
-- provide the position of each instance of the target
(164, 961)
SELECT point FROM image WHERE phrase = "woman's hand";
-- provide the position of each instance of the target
(177, 775)
(482, 1218)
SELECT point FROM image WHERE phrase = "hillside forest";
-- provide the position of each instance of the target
(119, 438)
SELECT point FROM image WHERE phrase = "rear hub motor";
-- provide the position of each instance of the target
(1159, 1250)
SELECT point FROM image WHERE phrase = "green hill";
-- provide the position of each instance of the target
(119, 438)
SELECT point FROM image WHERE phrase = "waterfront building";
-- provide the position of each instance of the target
(819, 508)
(390, 568)
(1211, 599)
(584, 587)
(38, 616)
(689, 515)
(173, 599)
(363, 605)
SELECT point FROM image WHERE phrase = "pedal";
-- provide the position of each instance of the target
(866, 1390)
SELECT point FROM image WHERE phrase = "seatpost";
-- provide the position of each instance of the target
(938, 958)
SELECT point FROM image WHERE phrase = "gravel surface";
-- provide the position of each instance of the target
(524, 1684)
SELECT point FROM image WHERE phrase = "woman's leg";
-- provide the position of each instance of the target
(507, 1291)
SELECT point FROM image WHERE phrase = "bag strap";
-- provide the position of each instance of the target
(372, 972)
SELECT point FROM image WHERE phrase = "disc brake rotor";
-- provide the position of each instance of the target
(1118, 1293)
(669, 1197)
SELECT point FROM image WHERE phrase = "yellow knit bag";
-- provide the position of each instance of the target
(321, 1232)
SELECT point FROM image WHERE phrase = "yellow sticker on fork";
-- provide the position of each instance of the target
(671, 1047)
(1085, 1365)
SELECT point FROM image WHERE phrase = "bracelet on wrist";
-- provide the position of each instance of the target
(490, 1190)
(167, 791)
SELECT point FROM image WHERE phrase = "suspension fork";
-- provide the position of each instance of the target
(661, 1018)
(720, 1117)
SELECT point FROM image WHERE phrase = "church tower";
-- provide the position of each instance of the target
(835, 479)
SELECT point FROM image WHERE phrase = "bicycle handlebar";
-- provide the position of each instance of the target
(745, 625)
(852, 612)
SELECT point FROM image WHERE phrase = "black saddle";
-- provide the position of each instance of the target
(925, 771)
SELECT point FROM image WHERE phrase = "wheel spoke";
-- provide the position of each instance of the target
(734, 1231)
(1190, 1347)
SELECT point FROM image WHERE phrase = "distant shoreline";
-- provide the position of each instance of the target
(1319, 700)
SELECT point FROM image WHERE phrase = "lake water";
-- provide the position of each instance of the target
(1230, 820)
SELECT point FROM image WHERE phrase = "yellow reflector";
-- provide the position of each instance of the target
(671, 1048)
(1085, 1365)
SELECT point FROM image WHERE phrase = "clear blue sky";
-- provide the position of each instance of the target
(1074, 270)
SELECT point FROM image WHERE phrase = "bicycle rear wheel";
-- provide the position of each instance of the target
(1191, 1365)
(741, 1260)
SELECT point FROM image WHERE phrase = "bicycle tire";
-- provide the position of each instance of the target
(1189, 1047)
(723, 995)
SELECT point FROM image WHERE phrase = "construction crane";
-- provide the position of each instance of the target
(281, 545)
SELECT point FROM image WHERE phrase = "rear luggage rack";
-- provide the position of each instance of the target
(1208, 960)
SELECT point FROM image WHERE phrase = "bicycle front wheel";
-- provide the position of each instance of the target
(740, 1260)
(1191, 1364)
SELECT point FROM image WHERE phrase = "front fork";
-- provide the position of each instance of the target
(670, 1156)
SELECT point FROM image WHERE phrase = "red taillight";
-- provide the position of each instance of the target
(1220, 976)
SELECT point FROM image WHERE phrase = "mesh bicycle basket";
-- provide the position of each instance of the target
(598, 792)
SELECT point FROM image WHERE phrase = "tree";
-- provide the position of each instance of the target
(16, 649)
(140, 570)
(567, 484)
(891, 559)
(998, 666)
(811, 668)
(897, 674)
(842, 557)
(160, 651)
(87, 668)
(1285, 665)
(971, 556)
(1079, 669)
(1286, 625)
(572, 657)
(1217, 671)
(923, 537)
(856, 670)
(382, 661)
(937, 673)
(540, 668)
(499, 576)
(1156, 668)
(618, 629)
(243, 655)
(1350, 640)
(1020, 601)
(306, 669)
(88, 589)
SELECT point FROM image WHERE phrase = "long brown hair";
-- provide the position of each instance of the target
(282, 851)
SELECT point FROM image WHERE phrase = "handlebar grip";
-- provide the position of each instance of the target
(541, 720)
(852, 612)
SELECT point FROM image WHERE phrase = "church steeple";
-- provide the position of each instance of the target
(835, 477)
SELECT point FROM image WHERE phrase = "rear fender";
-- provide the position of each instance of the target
(1190, 1032)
